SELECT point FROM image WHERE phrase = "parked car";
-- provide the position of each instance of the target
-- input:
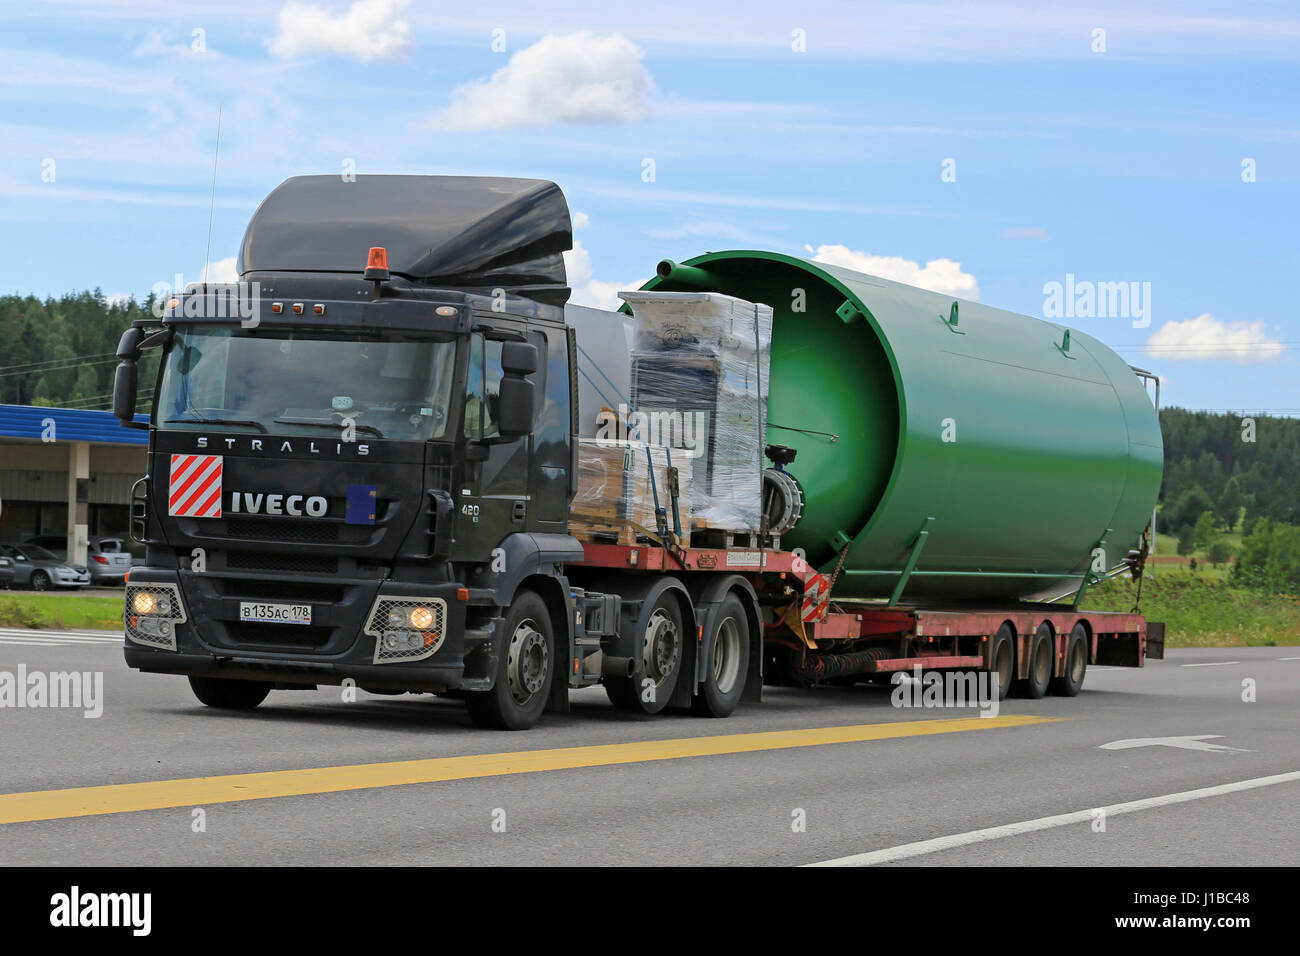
(107, 558)
(7, 572)
(38, 569)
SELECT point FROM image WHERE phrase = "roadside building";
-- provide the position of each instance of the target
(67, 471)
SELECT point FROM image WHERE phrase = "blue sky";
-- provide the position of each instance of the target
(818, 129)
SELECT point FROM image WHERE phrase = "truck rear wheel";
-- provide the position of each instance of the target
(659, 664)
(1041, 659)
(725, 653)
(1076, 663)
(229, 694)
(1003, 660)
(524, 670)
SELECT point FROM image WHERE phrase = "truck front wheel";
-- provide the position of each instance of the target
(524, 669)
(229, 694)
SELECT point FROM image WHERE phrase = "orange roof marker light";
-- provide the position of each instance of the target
(377, 264)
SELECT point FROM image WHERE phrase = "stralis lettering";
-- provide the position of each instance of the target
(293, 505)
(284, 445)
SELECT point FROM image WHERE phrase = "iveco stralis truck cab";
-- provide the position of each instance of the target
(361, 455)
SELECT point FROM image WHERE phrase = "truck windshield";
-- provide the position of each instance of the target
(302, 382)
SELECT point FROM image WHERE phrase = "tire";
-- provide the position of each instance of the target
(663, 645)
(725, 656)
(1076, 663)
(40, 581)
(229, 694)
(1003, 660)
(1041, 660)
(525, 669)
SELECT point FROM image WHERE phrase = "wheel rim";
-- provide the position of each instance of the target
(726, 656)
(528, 661)
(1076, 662)
(39, 581)
(662, 647)
(1043, 663)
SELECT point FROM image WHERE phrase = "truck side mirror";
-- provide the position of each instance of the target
(519, 358)
(124, 389)
(515, 410)
(517, 398)
(126, 378)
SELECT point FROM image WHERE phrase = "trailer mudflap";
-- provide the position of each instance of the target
(1155, 640)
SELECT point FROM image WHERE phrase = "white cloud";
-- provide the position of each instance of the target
(602, 295)
(587, 290)
(937, 275)
(222, 270)
(1205, 337)
(1037, 233)
(581, 220)
(579, 78)
(369, 30)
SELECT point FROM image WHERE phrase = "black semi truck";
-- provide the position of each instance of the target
(363, 460)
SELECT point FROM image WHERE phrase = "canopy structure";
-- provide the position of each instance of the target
(451, 231)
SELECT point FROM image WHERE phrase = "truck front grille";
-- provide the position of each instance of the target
(272, 530)
(301, 563)
(315, 592)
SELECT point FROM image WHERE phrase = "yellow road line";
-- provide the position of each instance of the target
(230, 788)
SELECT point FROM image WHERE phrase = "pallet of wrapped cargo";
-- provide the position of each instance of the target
(615, 493)
(702, 359)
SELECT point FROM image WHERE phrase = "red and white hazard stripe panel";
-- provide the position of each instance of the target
(195, 487)
(816, 598)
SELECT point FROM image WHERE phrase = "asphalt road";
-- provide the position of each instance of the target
(644, 803)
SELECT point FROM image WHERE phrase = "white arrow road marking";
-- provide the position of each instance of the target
(1046, 823)
(1182, 743)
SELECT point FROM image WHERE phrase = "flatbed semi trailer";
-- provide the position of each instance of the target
(379, 474)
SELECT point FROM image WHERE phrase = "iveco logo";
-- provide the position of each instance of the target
(293, 505)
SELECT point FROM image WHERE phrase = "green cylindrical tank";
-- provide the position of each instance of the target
(992, 452)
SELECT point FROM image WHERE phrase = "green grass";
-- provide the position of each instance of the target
(1201, 609)
(54, 610)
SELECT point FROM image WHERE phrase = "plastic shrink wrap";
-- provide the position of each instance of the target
(699, 383)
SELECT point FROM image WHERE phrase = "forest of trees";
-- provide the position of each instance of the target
(1238, 468)
(60, 351)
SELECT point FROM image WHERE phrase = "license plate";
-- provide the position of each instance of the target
(275, 613)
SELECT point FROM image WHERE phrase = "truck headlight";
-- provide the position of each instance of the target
(406, 628)
(152, 613)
